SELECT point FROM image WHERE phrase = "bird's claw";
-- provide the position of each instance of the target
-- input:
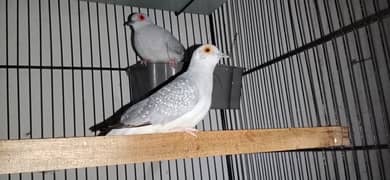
(191, 131)
(144, 61)
(172, 63)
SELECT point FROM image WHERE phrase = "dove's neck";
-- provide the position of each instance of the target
(203, 77)
(201, 70)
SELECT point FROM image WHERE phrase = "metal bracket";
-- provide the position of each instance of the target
(184, 8)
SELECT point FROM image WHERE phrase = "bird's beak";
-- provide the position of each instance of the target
(127, 23)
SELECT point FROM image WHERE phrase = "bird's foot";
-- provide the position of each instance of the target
(191, 131)
(172, 63)
(144, 61)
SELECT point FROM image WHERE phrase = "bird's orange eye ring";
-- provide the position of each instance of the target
(141, 17)
(207, 50)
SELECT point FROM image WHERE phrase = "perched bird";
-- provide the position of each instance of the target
(153, 43)
(177, 106)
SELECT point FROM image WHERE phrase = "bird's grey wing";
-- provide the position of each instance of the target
(174, 45)
(170, 102)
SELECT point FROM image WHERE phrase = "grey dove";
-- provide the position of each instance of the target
(176, 107)
(153, 43)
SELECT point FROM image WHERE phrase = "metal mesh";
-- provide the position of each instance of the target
(308, 63)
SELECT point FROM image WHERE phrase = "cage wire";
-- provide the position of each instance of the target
(308, 63)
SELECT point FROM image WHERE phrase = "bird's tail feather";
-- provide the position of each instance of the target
(110, 123)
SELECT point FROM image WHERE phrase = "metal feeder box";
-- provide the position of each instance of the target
(226, 85)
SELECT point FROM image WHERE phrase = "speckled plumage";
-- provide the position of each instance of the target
(170, 102)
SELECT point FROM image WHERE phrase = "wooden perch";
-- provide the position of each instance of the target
(63, 153)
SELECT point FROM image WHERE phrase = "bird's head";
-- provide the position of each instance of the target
(207, 55)
(136, 20)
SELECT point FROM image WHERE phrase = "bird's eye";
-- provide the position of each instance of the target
(207, 50)
(141, 17)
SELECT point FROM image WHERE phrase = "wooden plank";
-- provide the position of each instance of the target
(64, 153)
